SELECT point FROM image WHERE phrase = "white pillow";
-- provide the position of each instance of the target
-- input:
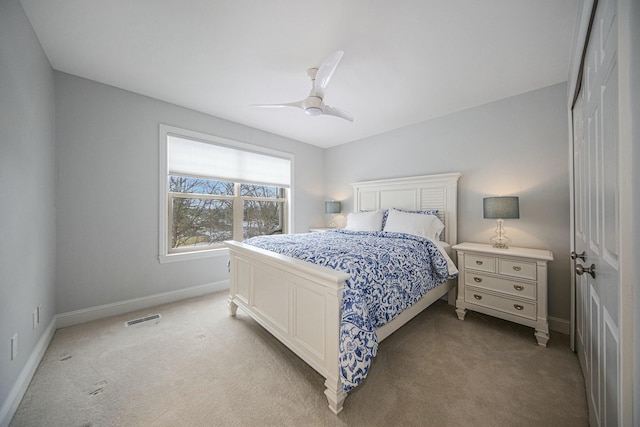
(428, 226)
(364, 221)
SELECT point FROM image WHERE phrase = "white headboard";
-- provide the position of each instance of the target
(413, 193)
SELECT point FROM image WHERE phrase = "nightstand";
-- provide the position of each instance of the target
(507, 283)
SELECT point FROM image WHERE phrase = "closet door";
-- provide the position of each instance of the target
(596, 219)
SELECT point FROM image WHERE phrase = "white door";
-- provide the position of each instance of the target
(596, 221)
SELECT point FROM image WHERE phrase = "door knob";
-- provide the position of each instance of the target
(581, 269)
(582, 255)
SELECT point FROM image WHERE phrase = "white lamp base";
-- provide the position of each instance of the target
(500, 240)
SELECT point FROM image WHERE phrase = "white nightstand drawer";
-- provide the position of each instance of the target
(524, 290)
(479, 262)
(507, 305)
(515, 268)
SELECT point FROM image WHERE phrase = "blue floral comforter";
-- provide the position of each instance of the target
(389, 272)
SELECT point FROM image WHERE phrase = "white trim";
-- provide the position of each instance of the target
(628, 160)
(163, 214)
(559, 325)
(572, 228)
(71, 318)
(19, 388)
(93, 313)
(186, 256)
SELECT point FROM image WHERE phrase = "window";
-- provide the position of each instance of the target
(213, 189)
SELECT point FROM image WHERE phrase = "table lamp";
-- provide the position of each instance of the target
(501, 208)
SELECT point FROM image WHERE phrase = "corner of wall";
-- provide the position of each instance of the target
(10, 405)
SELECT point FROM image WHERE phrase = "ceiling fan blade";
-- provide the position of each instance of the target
(297, 104)
(325, 72)
(332, 111)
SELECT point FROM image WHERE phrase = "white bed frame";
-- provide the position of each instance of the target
(300, 302)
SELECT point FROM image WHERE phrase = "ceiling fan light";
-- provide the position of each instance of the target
(313, 111)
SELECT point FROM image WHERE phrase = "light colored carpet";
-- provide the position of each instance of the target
(197, 366)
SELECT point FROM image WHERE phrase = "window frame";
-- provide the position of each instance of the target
(165, 254)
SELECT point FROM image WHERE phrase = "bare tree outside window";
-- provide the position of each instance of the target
(261, 216)
(202, 211)
(214, 189)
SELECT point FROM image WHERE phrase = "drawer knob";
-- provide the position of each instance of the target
(477, 279)
(479, 262)
(518, 287)
(478, 297)
(516, 268)
(518, 306)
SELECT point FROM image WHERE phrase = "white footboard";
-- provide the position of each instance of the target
(296, 301)
(299, 302)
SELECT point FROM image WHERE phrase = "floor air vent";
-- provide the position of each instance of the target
(141, 320)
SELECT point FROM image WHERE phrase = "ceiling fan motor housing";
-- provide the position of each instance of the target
(313, 106)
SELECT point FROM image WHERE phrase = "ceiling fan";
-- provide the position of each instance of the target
(313, 105)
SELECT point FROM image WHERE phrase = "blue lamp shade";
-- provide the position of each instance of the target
(332, 207)
(501, 207)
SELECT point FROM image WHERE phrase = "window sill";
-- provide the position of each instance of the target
(189, 256)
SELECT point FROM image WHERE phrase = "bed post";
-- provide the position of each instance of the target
(453, 293)
(333, 318)
(231, 305)
(300, 303)
(335, 395)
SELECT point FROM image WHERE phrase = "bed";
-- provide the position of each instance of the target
(300, 302)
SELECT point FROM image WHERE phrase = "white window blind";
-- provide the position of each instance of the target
(195, 158)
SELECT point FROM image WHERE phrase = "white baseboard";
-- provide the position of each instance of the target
(560, 325)
(10, 406)
(19, 388)
(99, 312)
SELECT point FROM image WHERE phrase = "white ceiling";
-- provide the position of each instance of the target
(405, 61)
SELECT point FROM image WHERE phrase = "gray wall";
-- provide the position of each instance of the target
(107, 193)
(27, 176)
(516, 146)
